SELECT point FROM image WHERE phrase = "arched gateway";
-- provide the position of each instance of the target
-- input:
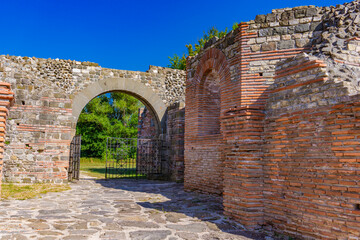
(146, 95)
(49, 97)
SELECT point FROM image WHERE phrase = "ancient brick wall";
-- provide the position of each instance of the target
(6, 100)
(265, 82)
(310, 153)
(203, 140)
(172, 138)
(146, 126)
(42, 123)
(175, 126)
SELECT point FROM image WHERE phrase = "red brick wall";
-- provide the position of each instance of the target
(255, 92)
(204, 156)
(311, 155)
(236, 152)
(6, 100)
(243, 184)
(312, 181)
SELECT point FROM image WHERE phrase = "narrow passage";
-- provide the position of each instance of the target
(119, 209)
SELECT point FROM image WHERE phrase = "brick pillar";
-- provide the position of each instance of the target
(6, 100)
(243, 171)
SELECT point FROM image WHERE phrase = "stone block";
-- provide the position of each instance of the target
(268, 46)
(302, 28)
(301, 42)
(300, 13)
(266, 32)
(260, 18)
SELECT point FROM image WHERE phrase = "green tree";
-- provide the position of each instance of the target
(109, 115)
(177, 62)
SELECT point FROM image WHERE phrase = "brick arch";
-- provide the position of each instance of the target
(139, 90)
(204, 153)
(212, 60)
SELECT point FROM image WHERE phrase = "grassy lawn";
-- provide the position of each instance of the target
(94, 167)
(22, 192)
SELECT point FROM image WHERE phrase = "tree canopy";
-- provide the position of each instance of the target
(113, 114)
(178, 62)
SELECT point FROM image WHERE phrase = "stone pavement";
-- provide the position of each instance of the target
(119, 209)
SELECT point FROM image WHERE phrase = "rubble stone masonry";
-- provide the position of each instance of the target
(271, 119)
(49, 96)
(286, 158)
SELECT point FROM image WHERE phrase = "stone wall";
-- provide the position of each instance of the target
(42, 122)
(6, 100)
(146, 126)
(276, 170)
(175, 141)
(172, 136)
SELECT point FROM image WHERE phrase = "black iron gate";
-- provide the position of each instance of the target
(74, 162)
(133, 158)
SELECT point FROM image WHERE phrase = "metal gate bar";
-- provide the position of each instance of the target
(132, 158)
(74, 159)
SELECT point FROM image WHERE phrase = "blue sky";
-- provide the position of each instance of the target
(129, 35)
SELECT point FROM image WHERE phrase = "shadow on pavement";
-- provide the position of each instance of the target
(171, 199)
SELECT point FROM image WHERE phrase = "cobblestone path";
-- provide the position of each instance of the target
(118, 209)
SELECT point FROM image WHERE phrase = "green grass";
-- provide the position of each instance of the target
(95, 167)
(22, 192)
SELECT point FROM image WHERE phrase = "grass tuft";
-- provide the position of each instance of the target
(22, 192)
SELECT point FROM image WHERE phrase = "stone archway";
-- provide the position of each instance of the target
(49, 97)
(137, 89)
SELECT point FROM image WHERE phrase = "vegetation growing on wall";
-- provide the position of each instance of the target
(109, 115)
(178, 62)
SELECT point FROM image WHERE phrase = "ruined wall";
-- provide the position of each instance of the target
(203, 141)
(311, 152)
(41, 123)
(269, 160)
(172, 136)
(6, 100)
(175, 138)
(146, 124)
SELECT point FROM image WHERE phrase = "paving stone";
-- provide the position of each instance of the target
(76, 237)
(49, 233)
(14, 237)
(187, 236)
(60, 226)
(174, 217)
(138, 224)
(82, 225)
(212, 226)
(82, 231)
(193, 227)
(113, 235)
(39, 226)
(112, 226)
(150, 235)
(100, 219)
(47, 238)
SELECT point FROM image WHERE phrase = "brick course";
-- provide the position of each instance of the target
(6, 100)
(287, 147)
